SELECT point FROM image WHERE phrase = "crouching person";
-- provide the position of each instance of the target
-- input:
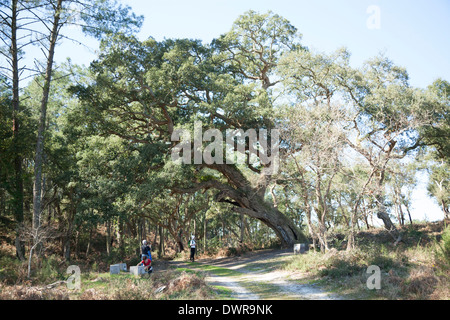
(147, 263)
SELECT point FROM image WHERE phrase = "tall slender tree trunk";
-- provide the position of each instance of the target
(155, 238)
(67, 241)
(144, 230)
(179, 241)
(311, 230)
(89, 241)
(108, 236)
(18, 179)
(70, 223)
(161, 249)
(354, 213)
(205, 222)
(402, 216)
(366, 215)
(160, 242)
(409, 214)
(120, 236)
(38, 162)
(445, 209)
(241, 238)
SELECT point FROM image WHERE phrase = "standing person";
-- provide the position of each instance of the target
(192, 245)
(146, 250)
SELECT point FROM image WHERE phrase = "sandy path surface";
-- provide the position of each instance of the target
(255, 277)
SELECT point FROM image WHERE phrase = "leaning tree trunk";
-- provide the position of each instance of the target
(384, 216)
(382, 213)
(284, 228)
(249, 200)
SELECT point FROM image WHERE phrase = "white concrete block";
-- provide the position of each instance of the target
(114, 269)
(123, 267)
(299, 248)
(137, 270)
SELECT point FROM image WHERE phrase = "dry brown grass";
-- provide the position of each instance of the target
(32, 293)
(193, 284)
(413, 270)
(175, 284)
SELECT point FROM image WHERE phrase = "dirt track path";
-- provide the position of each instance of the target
(255, 276)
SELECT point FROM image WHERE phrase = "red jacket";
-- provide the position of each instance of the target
(146, 263)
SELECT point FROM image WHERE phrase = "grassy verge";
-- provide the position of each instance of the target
(172, 285)
(218, 271)
(415, 270)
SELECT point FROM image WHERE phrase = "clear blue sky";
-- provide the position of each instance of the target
(414, 34)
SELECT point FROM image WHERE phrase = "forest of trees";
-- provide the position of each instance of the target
(84, 149)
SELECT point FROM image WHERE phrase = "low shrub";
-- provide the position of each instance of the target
(442, 253)
(12, 271)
